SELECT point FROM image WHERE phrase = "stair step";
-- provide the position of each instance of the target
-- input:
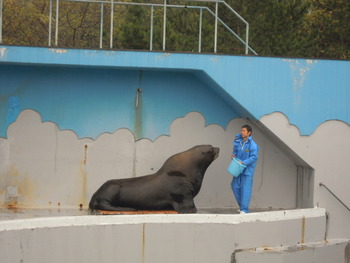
(335, 250)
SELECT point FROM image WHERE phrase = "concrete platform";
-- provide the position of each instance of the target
(23, 213)
(139, 212)
(153, 238)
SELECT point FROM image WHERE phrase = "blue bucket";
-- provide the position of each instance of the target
(235, 168)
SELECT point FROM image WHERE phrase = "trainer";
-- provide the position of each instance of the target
(245, 149)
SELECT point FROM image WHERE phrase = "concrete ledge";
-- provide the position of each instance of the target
(67, 221)
(197, 238)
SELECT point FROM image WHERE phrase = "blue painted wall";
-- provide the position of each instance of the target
(94, 91)
(91, 101)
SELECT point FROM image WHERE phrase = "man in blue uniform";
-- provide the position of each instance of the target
(245, 149)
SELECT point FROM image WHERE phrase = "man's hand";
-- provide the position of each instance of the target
(233, 156)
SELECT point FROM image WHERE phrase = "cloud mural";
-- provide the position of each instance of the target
(51, 166)
(324, 150)
(42, 166)
(327, 151)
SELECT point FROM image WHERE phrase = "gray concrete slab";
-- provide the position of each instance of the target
(335, 250)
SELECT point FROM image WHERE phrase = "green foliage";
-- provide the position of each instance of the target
(328, 25)
(276, 27)
(25, 22)
(79, 25)
(294, 28)
(133, 27)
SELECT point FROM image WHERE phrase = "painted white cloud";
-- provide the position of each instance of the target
(327, 150)
(52, 166)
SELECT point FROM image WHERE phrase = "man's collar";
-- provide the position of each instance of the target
(248, 139)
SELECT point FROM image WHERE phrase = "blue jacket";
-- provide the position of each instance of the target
(247, 152)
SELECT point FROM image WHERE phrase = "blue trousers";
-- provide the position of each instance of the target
(242, 189)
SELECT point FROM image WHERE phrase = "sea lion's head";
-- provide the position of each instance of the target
(205, 154)
(198, 157)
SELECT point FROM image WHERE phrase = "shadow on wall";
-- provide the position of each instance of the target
(42, 166)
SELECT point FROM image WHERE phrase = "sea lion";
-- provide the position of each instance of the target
(172, 187)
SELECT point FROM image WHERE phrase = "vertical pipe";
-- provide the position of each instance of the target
(101, 26)
(164, 25)
(0, 21)
(247, 39)
(151, 31)
(216, 27)
(112, 17)
(50, 22)
(56, 32)
(200, 31)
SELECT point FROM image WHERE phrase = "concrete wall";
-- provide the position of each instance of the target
(82, 102)
(155, 238)
(250, 84)
(50, 167)
(326, 150)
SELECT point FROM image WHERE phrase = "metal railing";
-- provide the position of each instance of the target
(0, 21)
(163, 5)
(335, 196)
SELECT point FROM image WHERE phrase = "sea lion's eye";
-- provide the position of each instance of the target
(208, 151)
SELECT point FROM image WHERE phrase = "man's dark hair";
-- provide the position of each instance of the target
(249, 129)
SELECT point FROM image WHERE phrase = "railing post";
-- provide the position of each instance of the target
(0, 21)
(50, 23)
(247, 39)
(151, 31)
(165, 6)
(112, 25)
(56, 32)
(200, 31)
(101, 26)
(164, 25)
(216, 26)
(247, 29)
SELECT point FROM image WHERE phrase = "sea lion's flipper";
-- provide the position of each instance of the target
(186, 207)
(107, 206)
(176, 173)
